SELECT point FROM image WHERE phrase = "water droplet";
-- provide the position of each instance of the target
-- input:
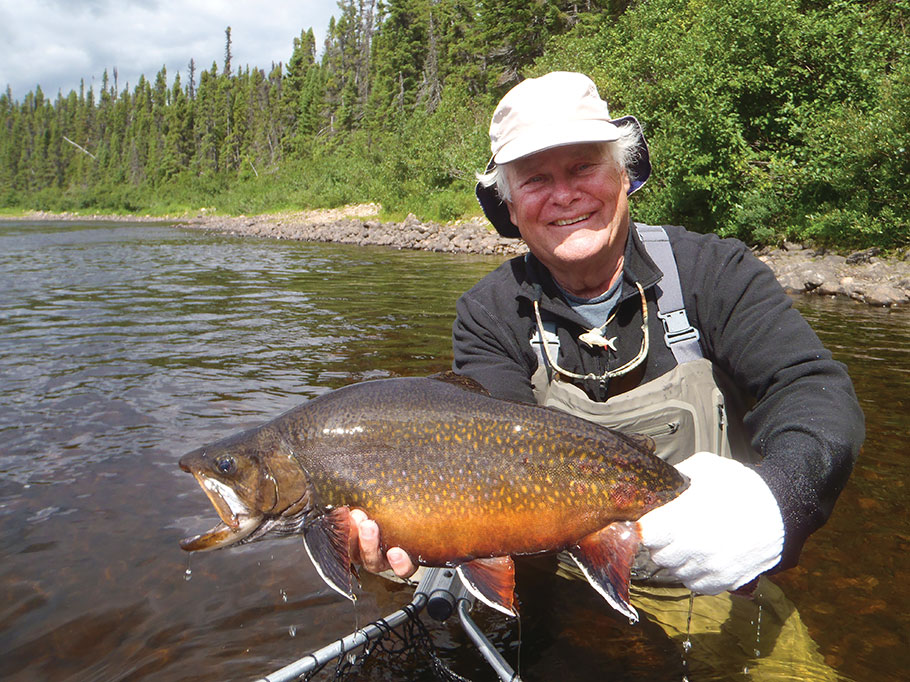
(757, 650)
(292, 631)
(687, 642)
(284, 595)
(188, 574)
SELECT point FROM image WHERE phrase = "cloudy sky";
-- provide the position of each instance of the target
(56, 43)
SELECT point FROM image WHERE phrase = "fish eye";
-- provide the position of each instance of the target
(226, 464)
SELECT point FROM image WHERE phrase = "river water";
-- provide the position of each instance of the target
(122, 346)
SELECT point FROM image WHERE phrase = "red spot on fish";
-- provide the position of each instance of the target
(625, 495)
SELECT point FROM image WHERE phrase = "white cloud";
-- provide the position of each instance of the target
(55, 43)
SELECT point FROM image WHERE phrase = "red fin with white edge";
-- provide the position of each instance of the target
(492, 581)
(605, 557)
(326, 541)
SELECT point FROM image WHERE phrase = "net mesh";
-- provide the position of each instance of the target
(394, 643)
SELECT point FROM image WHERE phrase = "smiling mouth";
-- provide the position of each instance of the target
(571, 221)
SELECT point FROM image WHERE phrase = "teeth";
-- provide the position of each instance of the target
(572, 221)
(228, 496)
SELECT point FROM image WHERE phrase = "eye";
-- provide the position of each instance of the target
(226, 464)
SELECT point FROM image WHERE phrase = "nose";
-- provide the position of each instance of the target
(564, 191)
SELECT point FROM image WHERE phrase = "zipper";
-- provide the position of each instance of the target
(667, 429)
(721, 448)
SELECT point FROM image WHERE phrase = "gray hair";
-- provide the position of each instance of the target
(622, 152)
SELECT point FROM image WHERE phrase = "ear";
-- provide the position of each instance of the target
(625, 181)
(512, 215)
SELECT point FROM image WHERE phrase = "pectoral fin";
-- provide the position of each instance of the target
(605, 557)
(326, 541)
(492, 581)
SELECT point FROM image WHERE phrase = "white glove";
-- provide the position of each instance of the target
(719, 534)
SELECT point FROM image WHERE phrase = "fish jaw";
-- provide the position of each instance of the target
(220, 536)
(237, 521)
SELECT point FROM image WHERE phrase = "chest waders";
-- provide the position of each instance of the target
(691, 408)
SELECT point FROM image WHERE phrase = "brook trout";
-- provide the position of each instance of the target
(451, 475)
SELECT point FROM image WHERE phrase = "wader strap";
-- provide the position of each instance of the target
(679, 334)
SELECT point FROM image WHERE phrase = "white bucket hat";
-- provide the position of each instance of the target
(554, 110)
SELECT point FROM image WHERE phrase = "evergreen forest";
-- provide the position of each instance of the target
(766, 119)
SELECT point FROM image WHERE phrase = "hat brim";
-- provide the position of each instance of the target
(547, 136)
(495, 209)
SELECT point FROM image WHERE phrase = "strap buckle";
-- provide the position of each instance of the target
(677, 328)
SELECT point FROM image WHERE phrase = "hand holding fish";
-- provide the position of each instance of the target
(366, 551)
(722, 532)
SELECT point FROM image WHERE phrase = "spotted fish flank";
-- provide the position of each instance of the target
(453, 476)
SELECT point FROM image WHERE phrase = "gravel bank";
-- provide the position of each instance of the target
(864, 276)
(359, 225)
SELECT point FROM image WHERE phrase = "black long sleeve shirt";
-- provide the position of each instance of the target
(806, 422)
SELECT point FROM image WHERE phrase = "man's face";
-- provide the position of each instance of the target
(570, 205)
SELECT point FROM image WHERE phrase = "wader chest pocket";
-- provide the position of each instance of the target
(671, 426)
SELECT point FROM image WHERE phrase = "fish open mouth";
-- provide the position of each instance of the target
(237, 523)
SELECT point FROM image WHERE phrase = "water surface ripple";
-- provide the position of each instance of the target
(122, 346)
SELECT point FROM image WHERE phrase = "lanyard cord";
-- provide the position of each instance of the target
(609, 374)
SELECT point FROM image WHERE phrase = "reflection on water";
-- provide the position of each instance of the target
(849, 586)
(124, 346)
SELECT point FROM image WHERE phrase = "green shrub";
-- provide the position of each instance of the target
(766, 119)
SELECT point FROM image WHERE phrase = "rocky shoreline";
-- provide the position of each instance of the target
(863, 276)
(359, 225)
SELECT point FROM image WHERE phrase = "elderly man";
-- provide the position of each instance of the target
(656, 330)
